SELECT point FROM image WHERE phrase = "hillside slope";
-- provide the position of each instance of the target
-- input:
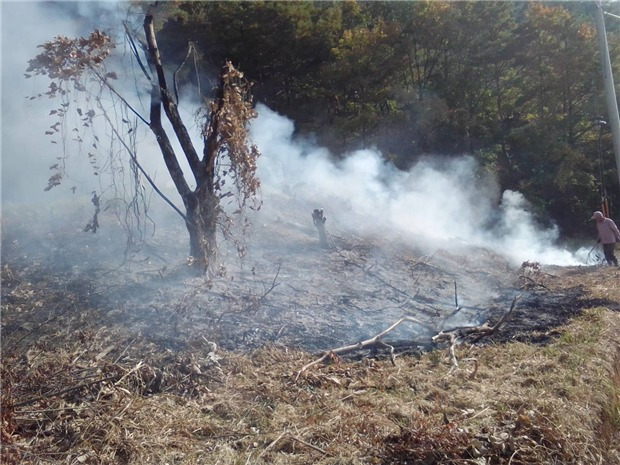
(147, 363)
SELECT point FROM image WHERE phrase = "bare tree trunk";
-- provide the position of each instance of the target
(201, 205)
(319, 222)
(224, 131)
(223, 135)
(202, 227)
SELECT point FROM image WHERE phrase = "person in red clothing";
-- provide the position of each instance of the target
(608, 235)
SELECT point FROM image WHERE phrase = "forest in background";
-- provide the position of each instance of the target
(120, 352)
(517, 85)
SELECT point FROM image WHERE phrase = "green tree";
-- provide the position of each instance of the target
(516, 83)
(557, 101)
(361, 76)
(281, 44)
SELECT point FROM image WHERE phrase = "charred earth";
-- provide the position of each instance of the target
(93, 329)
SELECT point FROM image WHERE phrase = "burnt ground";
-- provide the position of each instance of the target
(287, 290)
(107, 357)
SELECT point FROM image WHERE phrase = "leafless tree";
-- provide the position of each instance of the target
(226, 168)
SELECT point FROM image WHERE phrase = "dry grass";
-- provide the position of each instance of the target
(99, 398)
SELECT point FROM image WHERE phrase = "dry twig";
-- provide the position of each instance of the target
(454, 336)
(360, 345)
(457, 335)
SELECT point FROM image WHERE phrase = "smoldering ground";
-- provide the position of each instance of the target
(402, 243)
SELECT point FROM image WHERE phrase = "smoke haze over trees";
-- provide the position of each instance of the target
(514, 84)
(482, 110)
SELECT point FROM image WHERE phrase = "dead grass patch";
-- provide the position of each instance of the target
(96, 397)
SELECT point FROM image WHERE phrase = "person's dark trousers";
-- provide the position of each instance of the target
(610, 255)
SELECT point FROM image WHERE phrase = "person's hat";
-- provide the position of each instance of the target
(596, 215)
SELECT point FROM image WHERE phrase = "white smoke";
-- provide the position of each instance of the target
(27, 153)
(438, 202)
(447, 203)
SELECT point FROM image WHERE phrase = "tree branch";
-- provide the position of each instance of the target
(190, 48)
(134, 49)
(105, 82)
(134, 158)
(170, 159)
(170, 107)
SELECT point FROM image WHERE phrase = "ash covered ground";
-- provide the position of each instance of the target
(287, 290)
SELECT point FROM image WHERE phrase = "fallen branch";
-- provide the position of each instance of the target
(377, 277)
(294, 438)
(307, 444)
(453, 342)
(360, 345)
(454, 336)
(534, 283)
(271, 444)
(391, 348)
(457, 309)
(274, 284)
(64, 391)
(501, 321)
(481, 330)
(254, 301)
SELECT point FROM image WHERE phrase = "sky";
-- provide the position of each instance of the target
(438, 201)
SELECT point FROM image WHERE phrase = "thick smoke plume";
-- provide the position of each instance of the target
(438, 203)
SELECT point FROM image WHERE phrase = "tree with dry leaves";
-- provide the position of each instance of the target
(225, 169)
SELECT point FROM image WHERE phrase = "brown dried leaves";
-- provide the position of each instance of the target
(66, 59)
(229, 118)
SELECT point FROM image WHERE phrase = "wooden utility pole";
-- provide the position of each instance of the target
(610, 90)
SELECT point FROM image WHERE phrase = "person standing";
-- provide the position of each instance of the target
(608, 235)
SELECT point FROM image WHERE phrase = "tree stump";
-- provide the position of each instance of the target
(319, 222)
